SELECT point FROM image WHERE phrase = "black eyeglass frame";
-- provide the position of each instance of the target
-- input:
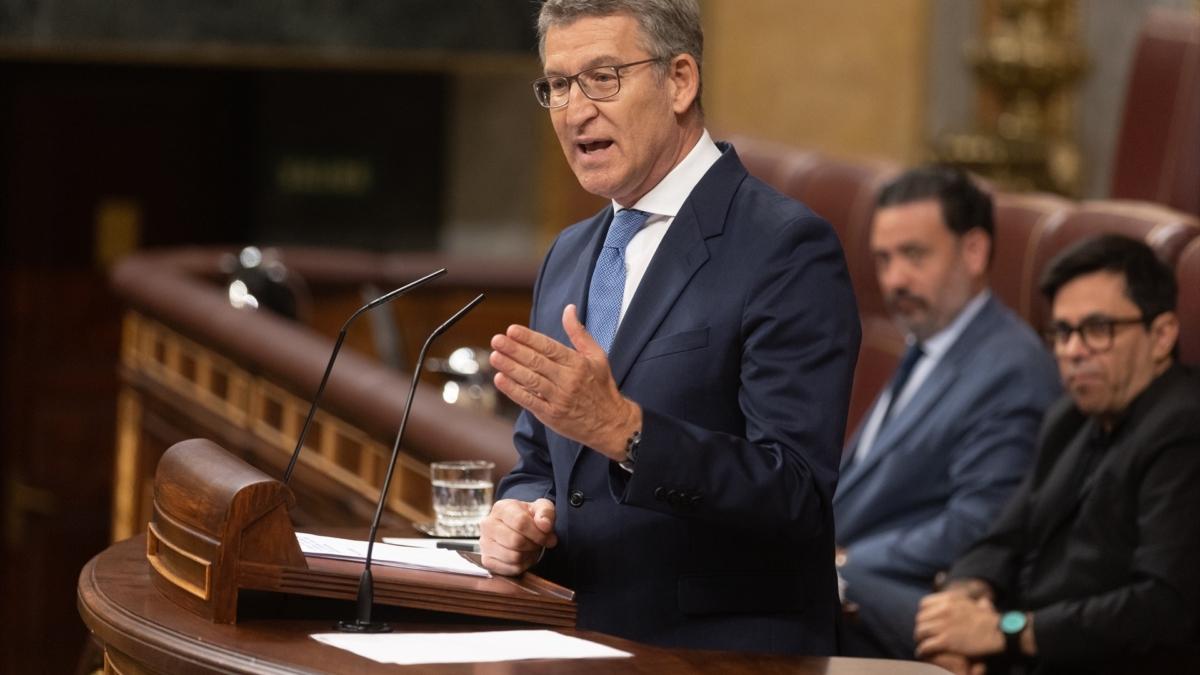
(1059, 333)
(575, 78)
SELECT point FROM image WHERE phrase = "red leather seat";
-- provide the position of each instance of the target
(1187, 271)
(1030, 230)
(1022, 220)
(772, 163)
(1158, 151)
(844, 193)
(1165, 230)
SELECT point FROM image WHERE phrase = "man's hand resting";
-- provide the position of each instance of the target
(513, 535)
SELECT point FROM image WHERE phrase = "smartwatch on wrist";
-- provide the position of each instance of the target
(631, 451)
(1012, 624)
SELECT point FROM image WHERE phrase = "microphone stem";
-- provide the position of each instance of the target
(287, 476)
(412, 390)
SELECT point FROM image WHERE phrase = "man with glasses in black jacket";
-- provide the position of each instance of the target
(1094, 560)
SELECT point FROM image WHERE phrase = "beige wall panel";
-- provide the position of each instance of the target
(843, 76)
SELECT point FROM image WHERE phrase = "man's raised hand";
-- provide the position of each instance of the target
(572, 391)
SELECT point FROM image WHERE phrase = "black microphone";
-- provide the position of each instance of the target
(366, 584)
(332, 357)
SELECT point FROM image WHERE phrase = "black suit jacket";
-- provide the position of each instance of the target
(1117, 567)
(739, 345)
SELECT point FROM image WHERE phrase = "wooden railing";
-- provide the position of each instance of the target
(192, 365)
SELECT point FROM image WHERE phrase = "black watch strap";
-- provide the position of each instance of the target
(1012, 625)
(631, 450)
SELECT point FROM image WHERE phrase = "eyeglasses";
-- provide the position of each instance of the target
(1096, 332)
(595, 83)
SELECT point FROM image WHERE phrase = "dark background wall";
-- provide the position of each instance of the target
(460, 25)
(139, 123)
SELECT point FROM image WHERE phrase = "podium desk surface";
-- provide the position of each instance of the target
(143, 632)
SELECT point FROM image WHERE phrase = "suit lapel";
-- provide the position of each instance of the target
(944, 374)
(682, 251)
(849, 470)
(851, 448)
(680, 254)
(578, 284)
(932, 389)
(1059, 494)
(575, 291)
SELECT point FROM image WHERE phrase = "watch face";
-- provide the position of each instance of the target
(1012, 622)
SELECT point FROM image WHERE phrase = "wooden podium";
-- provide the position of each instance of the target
(219, 526)
(143, 633)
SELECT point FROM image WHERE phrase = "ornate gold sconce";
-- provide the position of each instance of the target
(1027, 64)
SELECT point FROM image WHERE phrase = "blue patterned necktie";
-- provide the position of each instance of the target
(608, 279)
(905, 369)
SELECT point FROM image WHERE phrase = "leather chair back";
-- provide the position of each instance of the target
(1165, 230)
(844, 193)
(1187, 271)
(1022, 220)
(1158, 151)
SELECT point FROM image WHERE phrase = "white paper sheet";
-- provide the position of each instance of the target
(431, 559)
(514, 645)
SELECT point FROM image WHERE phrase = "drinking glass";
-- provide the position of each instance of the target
(462, 496)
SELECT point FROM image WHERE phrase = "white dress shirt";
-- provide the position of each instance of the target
(663, 202)
(932, 350)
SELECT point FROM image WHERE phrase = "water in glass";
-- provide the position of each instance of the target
(462, 496)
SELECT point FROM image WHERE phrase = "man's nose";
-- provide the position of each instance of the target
(1073, 348)
(892, 277)
(579, 107)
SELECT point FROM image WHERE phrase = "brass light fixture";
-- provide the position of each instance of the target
(1027, 64)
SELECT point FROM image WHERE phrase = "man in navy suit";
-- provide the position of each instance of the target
(687, 368)
(952, 433)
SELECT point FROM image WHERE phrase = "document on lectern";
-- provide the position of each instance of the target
(410, 649)
(427, 559)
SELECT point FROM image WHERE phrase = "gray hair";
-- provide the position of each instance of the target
(668, 27)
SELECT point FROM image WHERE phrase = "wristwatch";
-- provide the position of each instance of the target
(1012, 624)
(631, 451)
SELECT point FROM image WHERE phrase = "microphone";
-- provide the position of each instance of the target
(337, 346)
(366, 584)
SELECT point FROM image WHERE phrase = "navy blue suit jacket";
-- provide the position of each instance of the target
(740, 346)
(941, 470)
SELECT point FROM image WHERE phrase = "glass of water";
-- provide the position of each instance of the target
(462, 496)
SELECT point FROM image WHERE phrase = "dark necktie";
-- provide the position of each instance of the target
(608, 279)
(903, 372)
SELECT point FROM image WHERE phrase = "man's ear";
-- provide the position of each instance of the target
(1164, 333)
(683, 75)
(977, 251)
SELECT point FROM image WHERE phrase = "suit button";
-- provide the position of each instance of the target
(673, 497)
(660, 494)
(694, 502)
(575, 498)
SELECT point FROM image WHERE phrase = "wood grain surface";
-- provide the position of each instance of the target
(144, 632)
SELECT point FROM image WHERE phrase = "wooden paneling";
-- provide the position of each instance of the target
(843, 76)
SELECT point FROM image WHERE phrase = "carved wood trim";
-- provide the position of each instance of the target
(335, 448)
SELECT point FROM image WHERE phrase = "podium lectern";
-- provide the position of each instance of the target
(219, 525)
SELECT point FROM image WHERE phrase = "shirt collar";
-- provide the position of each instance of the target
(666, 198)
(941, 342)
